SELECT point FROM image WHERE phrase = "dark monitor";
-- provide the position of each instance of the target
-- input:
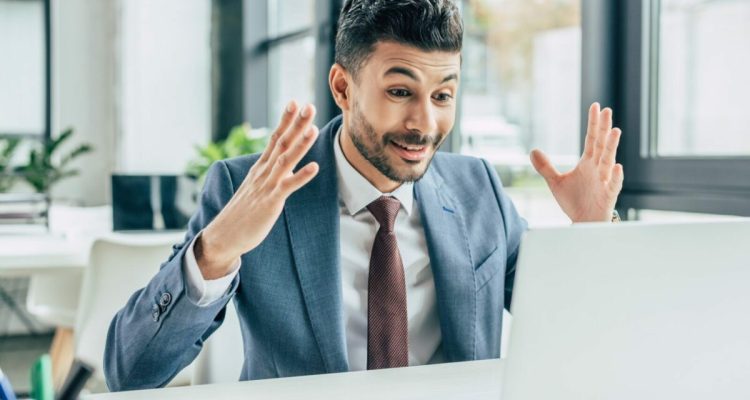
(152, 202)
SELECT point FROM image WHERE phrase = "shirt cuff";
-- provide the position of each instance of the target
(200, 290)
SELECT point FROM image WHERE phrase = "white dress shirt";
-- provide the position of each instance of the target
(358, 229)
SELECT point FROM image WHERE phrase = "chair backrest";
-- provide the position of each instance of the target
(120, 264)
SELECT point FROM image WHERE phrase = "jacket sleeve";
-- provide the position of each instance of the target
(514, 226)
(160, 330)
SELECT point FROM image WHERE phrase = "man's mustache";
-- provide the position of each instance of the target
(414, 139)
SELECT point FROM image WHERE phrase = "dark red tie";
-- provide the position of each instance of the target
(387, 327)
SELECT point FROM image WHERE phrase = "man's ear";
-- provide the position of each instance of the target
(339, 80)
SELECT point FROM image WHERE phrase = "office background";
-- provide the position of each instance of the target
(144, 82)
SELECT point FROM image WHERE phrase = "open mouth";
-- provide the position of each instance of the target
(410, 152)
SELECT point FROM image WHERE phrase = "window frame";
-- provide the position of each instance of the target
(618, 72)
(257, 47)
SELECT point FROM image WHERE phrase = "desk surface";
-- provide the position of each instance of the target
(32, 253)
(467, 380)
(29, 254)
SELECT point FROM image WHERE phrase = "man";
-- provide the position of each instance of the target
(357, 246)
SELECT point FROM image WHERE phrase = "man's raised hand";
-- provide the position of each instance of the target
(248, 217)
(588, 192)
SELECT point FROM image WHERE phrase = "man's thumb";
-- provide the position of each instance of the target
(543, 166)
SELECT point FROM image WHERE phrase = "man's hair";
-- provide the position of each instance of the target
(429, 25)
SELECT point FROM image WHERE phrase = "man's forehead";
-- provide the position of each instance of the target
(389, 56)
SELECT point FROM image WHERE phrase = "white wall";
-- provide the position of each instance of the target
(133, 78)
(84, 94)
(165, 83)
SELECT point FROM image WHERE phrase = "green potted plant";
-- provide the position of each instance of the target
(8, 177)
(45, 168)
(241, 140)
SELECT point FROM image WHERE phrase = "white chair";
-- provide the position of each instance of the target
(53, 298)
(120, 264)
(222, 356)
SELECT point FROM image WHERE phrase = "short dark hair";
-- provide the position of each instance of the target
(430, 25)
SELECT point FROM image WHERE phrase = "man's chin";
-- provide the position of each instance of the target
(410, 171)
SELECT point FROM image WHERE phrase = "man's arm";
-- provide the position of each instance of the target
(149, 342)
(200, 290)
(162, 328)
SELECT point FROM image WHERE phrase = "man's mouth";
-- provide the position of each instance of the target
(410, 152)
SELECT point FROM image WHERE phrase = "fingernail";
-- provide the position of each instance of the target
(305, 111)
(310, 132)
(290, 107)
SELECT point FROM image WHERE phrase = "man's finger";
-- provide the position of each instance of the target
(286, 120)
(304, 175)
(293, 133)
(543, 166)
(287, 161)
(618, 176)
(610, 152)
(591, 130)
(603, 127)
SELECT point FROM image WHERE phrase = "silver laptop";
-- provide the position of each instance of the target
(632, 311)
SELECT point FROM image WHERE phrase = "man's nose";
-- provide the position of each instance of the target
(421, 118)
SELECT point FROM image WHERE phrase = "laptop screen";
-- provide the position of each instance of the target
(152, 202)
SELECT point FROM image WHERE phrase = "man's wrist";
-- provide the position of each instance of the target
(208, 257)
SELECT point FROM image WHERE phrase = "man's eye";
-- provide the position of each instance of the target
(443, 97)
(399, 92)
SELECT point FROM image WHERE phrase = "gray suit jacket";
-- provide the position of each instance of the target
(288, 295)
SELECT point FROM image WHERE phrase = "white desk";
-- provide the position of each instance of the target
(30, 250)
(26, 252)
(56, 260)
(29, 254)
(476, 380)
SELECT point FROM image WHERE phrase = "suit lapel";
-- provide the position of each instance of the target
(312, 218)
(452, 266)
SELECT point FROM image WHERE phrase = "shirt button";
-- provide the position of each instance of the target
(165, 299)
(155, 313)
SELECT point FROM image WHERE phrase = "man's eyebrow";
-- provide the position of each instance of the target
(409, 73)
(451, 77)
(402, 71)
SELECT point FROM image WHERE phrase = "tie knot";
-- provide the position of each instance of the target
(385, 209)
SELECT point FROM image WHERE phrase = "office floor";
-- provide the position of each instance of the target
(18, 353)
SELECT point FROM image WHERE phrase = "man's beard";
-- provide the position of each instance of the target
(366, 141)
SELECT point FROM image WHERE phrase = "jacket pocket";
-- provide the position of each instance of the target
(491, 265)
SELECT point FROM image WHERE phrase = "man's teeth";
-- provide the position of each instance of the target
(410, 148)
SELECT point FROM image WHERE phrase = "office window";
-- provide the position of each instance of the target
(291, 74)
(292, 59)
(521, 90)
(704, 57)
(23, 68)
(281, 52)
(287, 16)
(677, 72)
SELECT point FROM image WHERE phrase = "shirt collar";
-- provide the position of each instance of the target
(357, 192)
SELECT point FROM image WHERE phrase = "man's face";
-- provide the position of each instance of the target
(403, 105)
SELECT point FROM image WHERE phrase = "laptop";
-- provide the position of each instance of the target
(632, 311)
(152, 203)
